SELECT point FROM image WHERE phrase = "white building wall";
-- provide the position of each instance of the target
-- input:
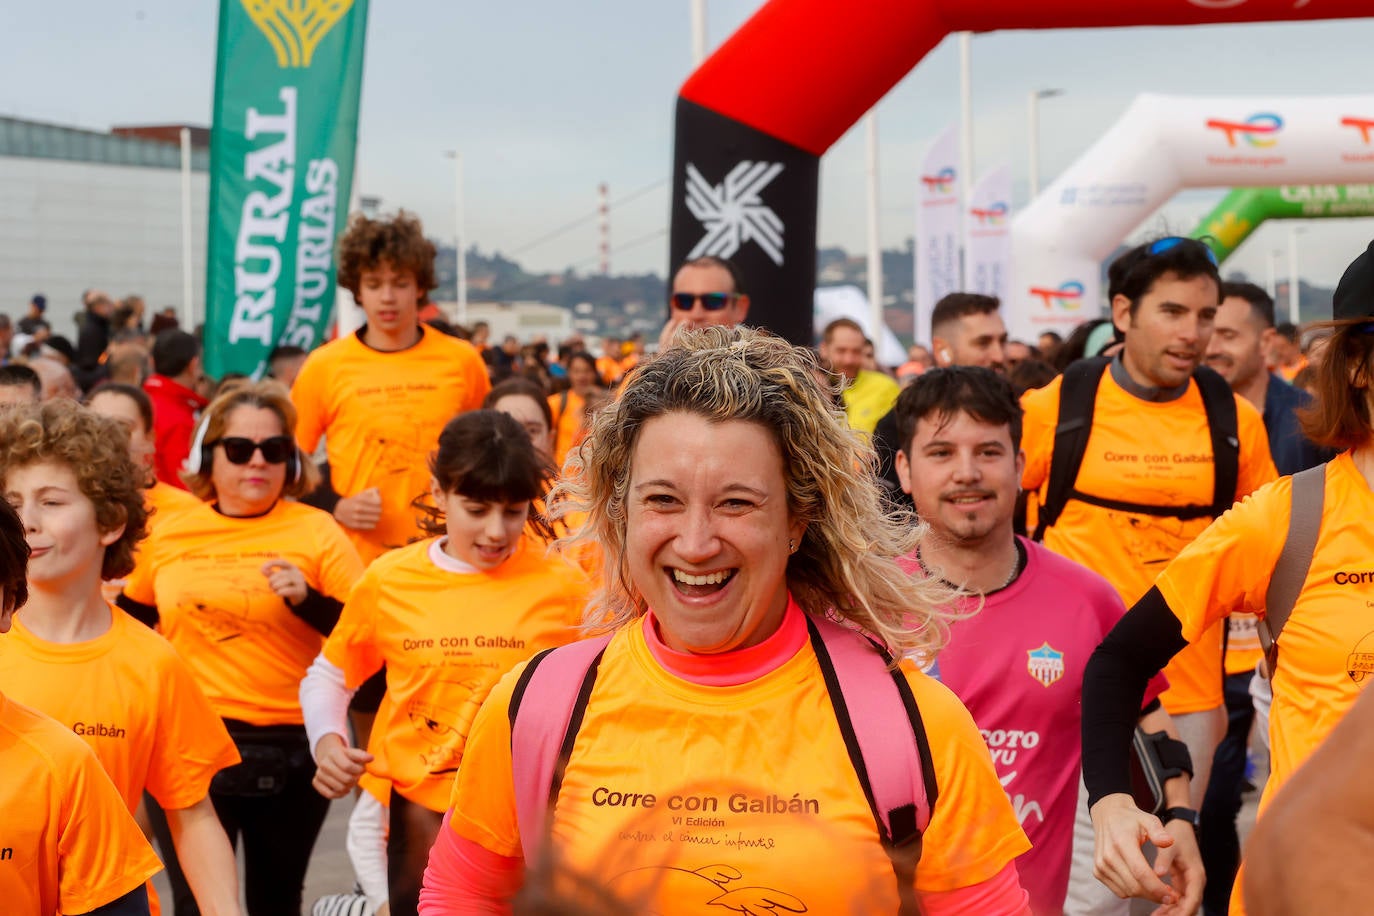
(69, 226)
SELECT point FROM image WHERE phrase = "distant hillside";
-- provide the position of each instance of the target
(624, 303)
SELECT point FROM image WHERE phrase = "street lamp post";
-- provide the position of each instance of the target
(460, 256)
(1293, 233)
(1033, 116)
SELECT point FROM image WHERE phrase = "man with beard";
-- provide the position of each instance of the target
(1031, 618)
(1164, 448)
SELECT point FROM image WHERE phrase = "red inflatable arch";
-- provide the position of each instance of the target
(754, 119)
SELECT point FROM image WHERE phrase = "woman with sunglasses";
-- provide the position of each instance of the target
(246, 588)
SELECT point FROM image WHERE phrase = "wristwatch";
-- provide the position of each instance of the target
(1180, 814)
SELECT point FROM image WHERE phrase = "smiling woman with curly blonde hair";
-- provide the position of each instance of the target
(718, 733)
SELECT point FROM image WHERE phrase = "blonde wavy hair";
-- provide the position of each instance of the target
(846, 563)
(96, 449)
(269, 395)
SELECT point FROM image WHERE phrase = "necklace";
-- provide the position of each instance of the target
(1011, 575)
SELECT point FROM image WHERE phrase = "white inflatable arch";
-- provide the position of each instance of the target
(1159, 146)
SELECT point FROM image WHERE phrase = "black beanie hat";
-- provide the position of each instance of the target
(1354, 296)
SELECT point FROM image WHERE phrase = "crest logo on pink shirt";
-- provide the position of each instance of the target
(1045, 664)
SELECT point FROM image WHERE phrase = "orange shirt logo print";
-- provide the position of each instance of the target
(1045, 664)
(1360, 663)
(438, 726)
(717, 885)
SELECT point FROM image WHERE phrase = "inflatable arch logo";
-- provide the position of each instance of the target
(295, 28)
(1258, 130)
(1361, 124)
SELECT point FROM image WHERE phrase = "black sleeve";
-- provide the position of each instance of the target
(145, 614)
(134, 903)
(324, 497)
(318, 610)
(1114, 685)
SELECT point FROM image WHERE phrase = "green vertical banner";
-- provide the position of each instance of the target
(287, 83)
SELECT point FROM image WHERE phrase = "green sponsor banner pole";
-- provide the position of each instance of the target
(1242, 210)
(287, 84)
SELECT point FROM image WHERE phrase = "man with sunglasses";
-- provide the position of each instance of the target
(1156, 435)
(706, 292)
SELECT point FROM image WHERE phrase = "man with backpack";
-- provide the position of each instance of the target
(1132, 458)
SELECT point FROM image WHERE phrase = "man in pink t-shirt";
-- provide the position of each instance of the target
(1033, 618)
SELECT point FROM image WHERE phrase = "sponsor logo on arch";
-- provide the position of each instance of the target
(1066, 297)
(1259, 130)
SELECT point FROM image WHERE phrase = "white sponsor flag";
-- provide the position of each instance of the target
(937, 227)
(987, 243)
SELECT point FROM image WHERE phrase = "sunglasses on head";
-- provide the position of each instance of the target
(712, 302)
(275, 450)
(1173, 241)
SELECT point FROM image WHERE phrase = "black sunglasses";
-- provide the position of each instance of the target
(712, 302)
(275, 450)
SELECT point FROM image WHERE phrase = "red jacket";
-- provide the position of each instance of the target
(175, 408)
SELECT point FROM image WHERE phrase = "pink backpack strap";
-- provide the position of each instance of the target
(886, 740)
(545, 713)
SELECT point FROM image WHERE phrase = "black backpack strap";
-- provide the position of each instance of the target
(1077, 400)
(1290, 572)
(1220, 404)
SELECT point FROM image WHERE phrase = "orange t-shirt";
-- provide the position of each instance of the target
(381, 414)
(609, 367)
(165, 501)
(138, 707)
(246, 648)
(1291, 372)
(445, 638)
(1154, 454)
(1326, 650)
(1243, 649)
(67, 842)
(567, 408)
(693, 795)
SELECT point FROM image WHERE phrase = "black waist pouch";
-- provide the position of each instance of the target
(270, 754)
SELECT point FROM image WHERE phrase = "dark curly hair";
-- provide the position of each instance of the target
(399, 241)
(96, 449)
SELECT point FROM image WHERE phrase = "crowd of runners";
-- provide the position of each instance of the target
(717, 625)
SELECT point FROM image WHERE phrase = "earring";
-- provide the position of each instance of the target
(791, 546)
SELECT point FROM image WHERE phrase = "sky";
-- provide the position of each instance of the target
(547, 99)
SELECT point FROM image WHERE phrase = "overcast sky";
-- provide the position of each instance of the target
(547, 99)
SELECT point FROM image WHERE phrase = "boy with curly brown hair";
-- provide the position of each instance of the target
(380, 396)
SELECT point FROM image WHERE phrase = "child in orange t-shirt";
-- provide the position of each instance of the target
(79, 848)
(447, 617)
(380, 397)
(69, 473)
